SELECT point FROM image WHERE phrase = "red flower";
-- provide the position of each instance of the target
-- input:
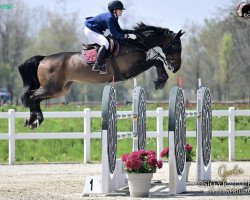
(151, 152)
(152, 161)
(141, 162)
(137, 164)
(189, 147)
(125, 157)
(129, 164)
(142, 152)
(159, 164)
(165, 152)
(135, 155)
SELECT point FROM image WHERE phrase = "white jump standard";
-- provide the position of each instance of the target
(177, 138)
(113, 175)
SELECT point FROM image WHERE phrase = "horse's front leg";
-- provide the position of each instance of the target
(145, 65)
(162, 75)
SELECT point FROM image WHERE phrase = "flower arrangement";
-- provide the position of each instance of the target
(189, 153)
(141, 162)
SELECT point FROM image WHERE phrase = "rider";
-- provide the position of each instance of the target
(95, 26)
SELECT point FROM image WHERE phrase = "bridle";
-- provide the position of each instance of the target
(171, 48)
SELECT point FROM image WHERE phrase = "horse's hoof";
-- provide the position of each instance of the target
(159, 84)
(34, 125)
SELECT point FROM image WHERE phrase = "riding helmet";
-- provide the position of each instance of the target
(113, 5)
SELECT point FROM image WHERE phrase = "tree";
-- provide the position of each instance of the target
(225, 59)
(13, 41)
(192, 59)
(210, 39)
(58, 35)
(239, 29)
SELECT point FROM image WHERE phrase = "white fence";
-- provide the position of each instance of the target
(87, 135)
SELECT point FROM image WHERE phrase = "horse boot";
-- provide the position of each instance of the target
(100, 60)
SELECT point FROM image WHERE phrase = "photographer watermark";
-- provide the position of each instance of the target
(7, 6)
(225, 187)
(224, 173)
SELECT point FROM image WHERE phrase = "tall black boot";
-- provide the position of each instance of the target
(100, 60)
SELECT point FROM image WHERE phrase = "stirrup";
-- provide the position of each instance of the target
(95, 68)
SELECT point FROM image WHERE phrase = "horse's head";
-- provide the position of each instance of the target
(171, 47)
(169, 42)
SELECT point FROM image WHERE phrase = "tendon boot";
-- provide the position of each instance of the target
(100, 60)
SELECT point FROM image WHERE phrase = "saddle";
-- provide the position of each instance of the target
(89, 51)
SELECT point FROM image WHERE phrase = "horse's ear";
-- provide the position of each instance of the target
(182, 33)
(179, 34)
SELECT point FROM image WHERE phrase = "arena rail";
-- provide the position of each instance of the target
(87, 135)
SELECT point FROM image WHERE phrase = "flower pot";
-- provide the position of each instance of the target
(139, 184)
(188, 165)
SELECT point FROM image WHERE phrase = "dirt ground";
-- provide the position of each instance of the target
(66, 181)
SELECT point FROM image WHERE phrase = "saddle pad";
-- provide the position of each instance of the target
(89, 55)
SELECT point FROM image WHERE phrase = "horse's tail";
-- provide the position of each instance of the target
(28, 72)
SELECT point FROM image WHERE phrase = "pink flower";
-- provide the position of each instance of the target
(142, 152)
(152, 156)
(136, 164)
(151, 152)
(159, 164)
(152, 161)
(129, 164)
(135, 155)
(125, 157)
(189, 147)
(141, 161)
(165, 152)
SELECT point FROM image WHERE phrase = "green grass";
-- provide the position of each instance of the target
(71, 150)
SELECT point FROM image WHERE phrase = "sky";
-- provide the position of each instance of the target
(172, 14)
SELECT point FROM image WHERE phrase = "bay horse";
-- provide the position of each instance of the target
(51, 76)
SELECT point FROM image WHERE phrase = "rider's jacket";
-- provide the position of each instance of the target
(105, 21)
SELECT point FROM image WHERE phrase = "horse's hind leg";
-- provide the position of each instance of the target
(33, 115)
(43, 93)
(39, 95)
(38, 115)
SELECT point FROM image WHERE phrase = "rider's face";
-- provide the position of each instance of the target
(119, 12)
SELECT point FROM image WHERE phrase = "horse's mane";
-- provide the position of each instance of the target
(147, 31)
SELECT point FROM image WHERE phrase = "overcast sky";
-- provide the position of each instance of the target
(172, 14)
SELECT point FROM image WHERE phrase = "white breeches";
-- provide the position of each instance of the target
(94, 37)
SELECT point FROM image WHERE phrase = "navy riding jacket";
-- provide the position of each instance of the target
(105, 21)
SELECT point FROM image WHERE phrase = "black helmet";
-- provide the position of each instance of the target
(113, 5)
